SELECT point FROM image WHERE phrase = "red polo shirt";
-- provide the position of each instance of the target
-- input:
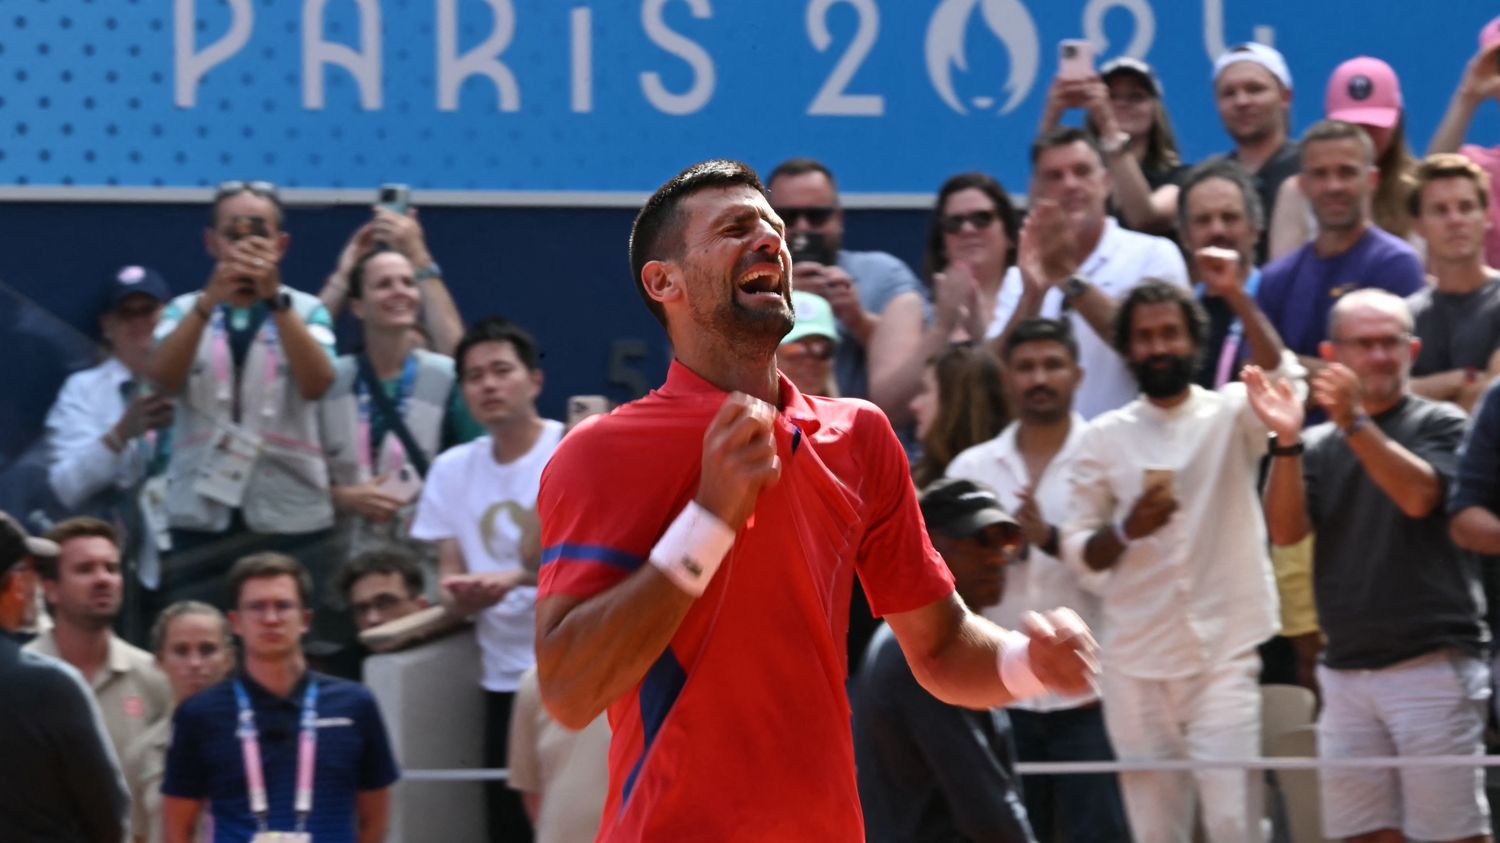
(740, 730)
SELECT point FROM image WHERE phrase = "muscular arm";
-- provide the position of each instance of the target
(590, 652)
(372, 814)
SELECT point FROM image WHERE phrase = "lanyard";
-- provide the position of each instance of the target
(225, 380)
(307, 747)
(369, 456)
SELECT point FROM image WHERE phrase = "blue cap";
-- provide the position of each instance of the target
(130, 280)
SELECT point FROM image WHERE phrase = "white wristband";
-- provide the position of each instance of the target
(1119, 528)
(1015, 667)
(690, 551)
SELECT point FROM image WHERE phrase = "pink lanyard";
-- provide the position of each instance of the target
(307, 750)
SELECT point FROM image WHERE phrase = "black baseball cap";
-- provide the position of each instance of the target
(132, 280)
(1135, 67)
(16, 544)
(962, 508)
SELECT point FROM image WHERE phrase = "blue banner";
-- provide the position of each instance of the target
(615, 95)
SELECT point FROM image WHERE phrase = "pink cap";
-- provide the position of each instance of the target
(1364, 91)
(1489, 36)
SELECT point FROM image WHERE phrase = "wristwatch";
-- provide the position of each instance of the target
(431, 270)
(1114, 144)
(279, 302)
(1075, 286)
(1279, 450)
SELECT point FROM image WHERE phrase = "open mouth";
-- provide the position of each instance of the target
(761, 281)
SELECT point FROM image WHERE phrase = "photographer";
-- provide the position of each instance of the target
(247, 359)
(394, 224)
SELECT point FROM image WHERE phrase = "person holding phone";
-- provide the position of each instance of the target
(391, 409)
(1163, 498)
(393, 223)
(1480, 82)
(247, 359)
(1125, 110)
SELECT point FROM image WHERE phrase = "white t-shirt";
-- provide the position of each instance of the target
(1121, 260)
(473, 499)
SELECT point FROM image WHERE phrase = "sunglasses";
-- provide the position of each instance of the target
(954, 223)
(814, 216)
(233, 186)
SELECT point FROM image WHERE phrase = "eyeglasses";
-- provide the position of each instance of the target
(817, 348)
(954, 223)
(233, 186)
(267, 608)
(814, 216)
(1366, 345)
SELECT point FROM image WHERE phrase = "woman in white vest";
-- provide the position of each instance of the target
(392, 407)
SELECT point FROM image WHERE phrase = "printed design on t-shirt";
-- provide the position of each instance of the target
(507, 528)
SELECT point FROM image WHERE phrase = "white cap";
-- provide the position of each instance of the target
(1255, 53)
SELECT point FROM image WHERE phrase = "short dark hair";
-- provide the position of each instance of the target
(264, 565)
(1058, 136)
(1332, 130)
(177, 610)
(656, 233)
(357, 273)
(1232, 172)
(498, 329)
(79, 526)
(935, 257)
(1039, 329)
(801, 166)
(1157, 291)
(382, 560)
(1446, 165)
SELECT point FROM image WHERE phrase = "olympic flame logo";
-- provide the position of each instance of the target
(1012, 26)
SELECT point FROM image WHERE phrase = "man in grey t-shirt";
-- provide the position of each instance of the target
(1399, 603)
(1458, 320)
(871, 292)
(60, 779)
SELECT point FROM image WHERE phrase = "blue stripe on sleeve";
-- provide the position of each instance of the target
(592, 553)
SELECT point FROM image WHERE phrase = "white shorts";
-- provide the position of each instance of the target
(1434, 704)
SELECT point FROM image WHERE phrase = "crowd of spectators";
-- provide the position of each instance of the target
(1240, 416)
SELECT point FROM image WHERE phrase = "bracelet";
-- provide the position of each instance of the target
(1014, 665)
(690, 551)
(1277, 449)
(1119, 528)
(1359, 423)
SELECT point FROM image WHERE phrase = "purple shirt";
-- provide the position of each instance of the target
(1298, 289)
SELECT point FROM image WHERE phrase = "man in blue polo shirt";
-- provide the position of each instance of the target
(273, 708)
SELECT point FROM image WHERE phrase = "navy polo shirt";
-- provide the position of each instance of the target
(354, 754)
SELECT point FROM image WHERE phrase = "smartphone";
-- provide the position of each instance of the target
(1154, 476)
(810, 246)
(1075, 59)
(581, 407)
(396, 197)
(242, 227)
(403, 484)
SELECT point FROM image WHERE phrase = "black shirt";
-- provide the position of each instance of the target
(1284, 163)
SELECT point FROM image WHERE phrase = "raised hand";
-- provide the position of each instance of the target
(739, 458)
(1063, 653)
(1150, 512)
(1337, 390)
(1218, 269)
(1276, 404)
(1034, 527)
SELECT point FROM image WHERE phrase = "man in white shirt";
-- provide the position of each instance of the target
(1164, 499)
(1075, 260)
(104, 429)
(1028, 466)
(479, 505)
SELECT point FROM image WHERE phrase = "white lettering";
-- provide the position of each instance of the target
(1214, 42)
(363, 65)
(582, 20)
(1140, 12)
(483, 60)
(831, 98)
(192, 65)
(689, 51)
